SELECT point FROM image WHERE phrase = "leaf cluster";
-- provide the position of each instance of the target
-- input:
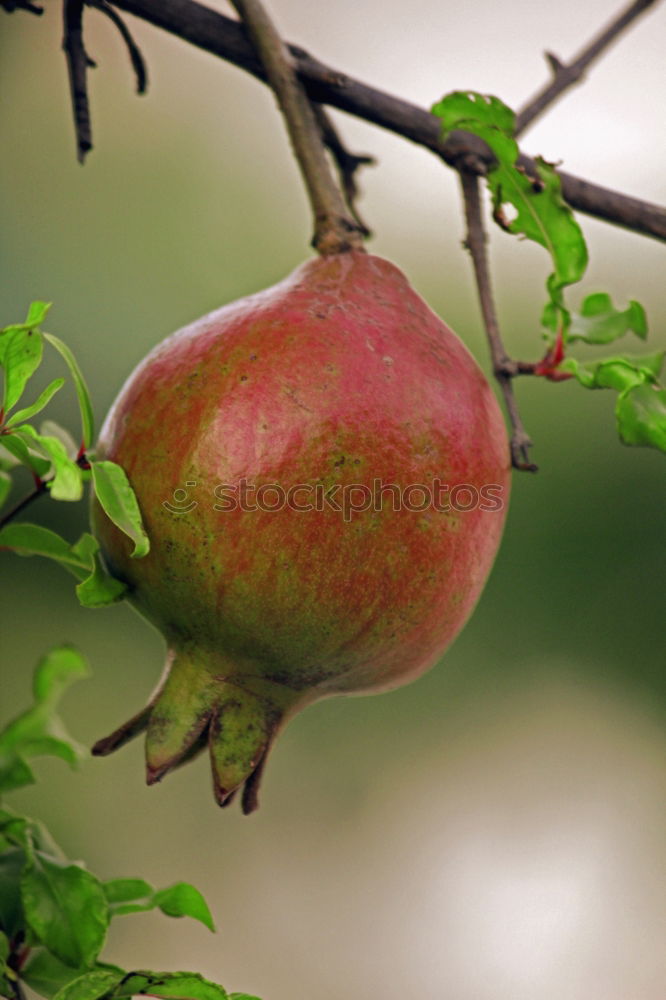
(58, 464)
(54, 913)
(531, 206)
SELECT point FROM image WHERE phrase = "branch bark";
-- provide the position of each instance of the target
(223, 37)
(566, 75)
(335, 231)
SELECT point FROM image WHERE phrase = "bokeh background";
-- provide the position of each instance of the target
(496, 830)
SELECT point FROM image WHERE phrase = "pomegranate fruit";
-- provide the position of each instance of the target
(323, 473)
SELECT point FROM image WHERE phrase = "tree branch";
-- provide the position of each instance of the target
(567, 75)
(11, 5)
(334, 230)
(223, 37)
(133, 50)
(38, 491)
(475, 242)
(77, 64)
(346, 162)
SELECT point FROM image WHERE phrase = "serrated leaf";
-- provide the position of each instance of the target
(469, 106)
(540, 212)
(42, 400)
(90, 986)
(118, 500)
(46, 974)
(599, 322)
(20, 357)
(173, 985)
(183, 900)
(83, 396)
(641, 416)
(620, 373)
(5, 486)
(65, 907)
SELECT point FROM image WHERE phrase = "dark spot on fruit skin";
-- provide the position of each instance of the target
(243, 378)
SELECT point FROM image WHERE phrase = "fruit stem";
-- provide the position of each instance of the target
(335, 231)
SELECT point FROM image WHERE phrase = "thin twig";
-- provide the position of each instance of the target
(137, 60)
(38, 491)
(335, 231)
(223, 37)
(346, 162)
(475, 241)
(11, 5)
(77, 64)
(567, 75)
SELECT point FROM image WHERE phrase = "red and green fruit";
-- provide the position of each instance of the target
(335, 383)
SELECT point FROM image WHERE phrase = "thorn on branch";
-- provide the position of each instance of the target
(136, 57)
(77, 64)
(346, 162)
(565, 75)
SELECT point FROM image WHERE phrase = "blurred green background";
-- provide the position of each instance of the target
(496, 830)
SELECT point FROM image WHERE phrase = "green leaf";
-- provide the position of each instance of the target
(37, 313)
(242, 996)
(14, 772)
(472, 107)
(96, 587)
(52, 429)
(39, 730)
(21, 451)
(91, 986)
(183, 900)
(42, 400)
(56, 672)
(67, 481)
(12, 863)
(46, 974)
(5, 486)
(4, 948)
(119, 502)
(136, 896)
(85, 406)
(599, 322)
(20, 357)
(641, 416)
(7, 975)
(34, 540)
(127, 890)
(99, 588)
(620, 372)
(539, 211)
(65, 907)
(175, 985)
